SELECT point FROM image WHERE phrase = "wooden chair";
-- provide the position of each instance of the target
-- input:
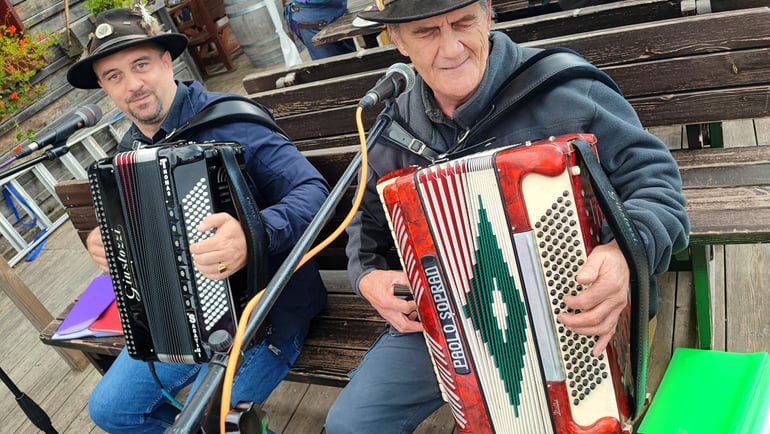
(211, 37)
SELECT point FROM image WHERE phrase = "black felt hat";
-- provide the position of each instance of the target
(404, 11)
(117, 29)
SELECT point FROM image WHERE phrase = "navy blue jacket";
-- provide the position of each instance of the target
(288, 191)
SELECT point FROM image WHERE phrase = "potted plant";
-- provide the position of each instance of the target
(95, 7)
(21, 56)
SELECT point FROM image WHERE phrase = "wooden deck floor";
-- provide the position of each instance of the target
(741, 312)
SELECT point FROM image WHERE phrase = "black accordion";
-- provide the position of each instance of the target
(149, 204)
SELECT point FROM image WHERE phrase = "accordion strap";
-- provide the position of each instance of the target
(541, 72)
(248, 214)
(225, 110)
(631, 244)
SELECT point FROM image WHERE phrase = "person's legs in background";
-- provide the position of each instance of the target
(326, 50)
(305, 20)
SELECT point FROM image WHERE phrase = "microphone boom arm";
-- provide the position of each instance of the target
(189, 420)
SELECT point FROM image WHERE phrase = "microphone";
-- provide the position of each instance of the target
(86, 116)
(398, 78)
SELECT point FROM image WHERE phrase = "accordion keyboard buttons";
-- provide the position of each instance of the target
(212, 294)
(562, 255)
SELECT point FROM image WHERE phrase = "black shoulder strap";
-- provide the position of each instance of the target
(229, 109)
(630, 242)
(541, 72)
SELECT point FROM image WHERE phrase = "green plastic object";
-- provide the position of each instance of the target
(711, 392)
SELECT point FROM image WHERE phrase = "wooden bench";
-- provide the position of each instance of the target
(543, 17)
(695, 71)
(706, 69)
(525, 31)
(726, 190)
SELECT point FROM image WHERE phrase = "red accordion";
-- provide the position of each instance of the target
(491, 243)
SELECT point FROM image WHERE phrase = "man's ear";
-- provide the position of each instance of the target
(396, 41)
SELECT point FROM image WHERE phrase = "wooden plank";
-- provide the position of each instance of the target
(762, 130)
(364, 60)
(350, 308)
(329, 333)
(715, 159)
(718, 288)
(665, 109)
(748, 329)
(684, 313)
(312, 410)
(282, 404)
(441, 421)
(678, 75)
(740, 133)
(33, 309)
(586, 19)
(695, 72)
(708, 33)
(728, 215)
(74, 193)
(660, 348)
(726, 5)
(323, 365)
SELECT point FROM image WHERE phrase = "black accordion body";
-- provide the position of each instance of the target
(149, 204)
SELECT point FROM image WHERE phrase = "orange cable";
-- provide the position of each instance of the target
(227, 386)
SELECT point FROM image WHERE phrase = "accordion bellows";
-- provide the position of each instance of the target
(491, 243)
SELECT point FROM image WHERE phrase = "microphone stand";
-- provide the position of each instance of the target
(49, 155)
(30, 408)
(189, 419)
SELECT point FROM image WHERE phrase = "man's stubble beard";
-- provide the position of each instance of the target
(153, 119)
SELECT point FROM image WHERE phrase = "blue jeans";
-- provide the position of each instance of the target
(127, 399)
(392, 391)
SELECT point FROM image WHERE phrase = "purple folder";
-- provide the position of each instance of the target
(89, 306)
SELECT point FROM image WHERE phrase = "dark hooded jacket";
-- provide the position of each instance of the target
(638, 164)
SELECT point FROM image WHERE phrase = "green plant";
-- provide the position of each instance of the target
(21, 57)
(95, 7)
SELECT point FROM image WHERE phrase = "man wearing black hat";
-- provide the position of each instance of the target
(461, 66)
(130, 58)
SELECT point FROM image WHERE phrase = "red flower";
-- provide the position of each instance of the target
(15, 96)
(40, 37)
(11, 29)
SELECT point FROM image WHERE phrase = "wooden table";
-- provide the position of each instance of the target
(342, 28)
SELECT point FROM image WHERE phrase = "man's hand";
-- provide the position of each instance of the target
(378, 287)
(605, 276)
(223, 254)
(95, 247)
